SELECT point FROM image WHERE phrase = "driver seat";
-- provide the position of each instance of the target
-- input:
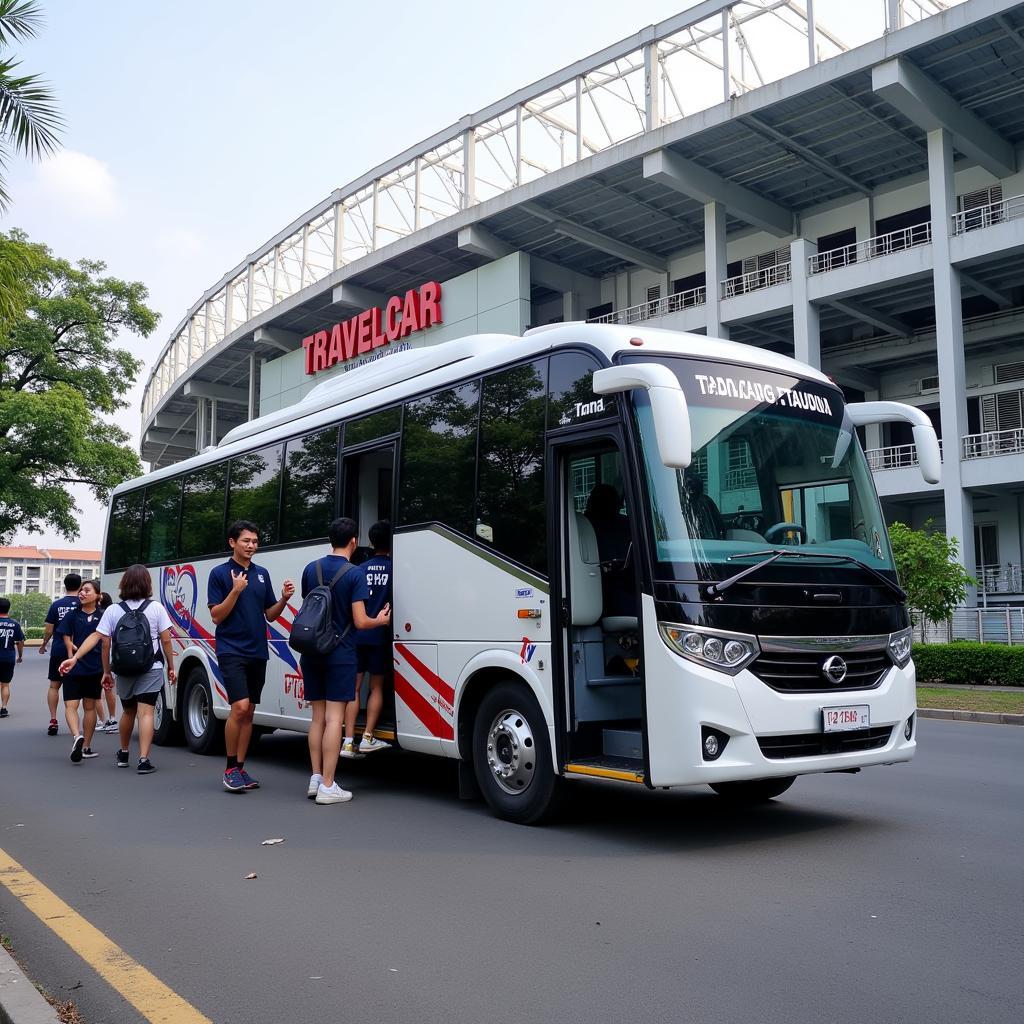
(585, 591)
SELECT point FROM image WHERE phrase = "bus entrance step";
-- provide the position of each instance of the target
(621, 769)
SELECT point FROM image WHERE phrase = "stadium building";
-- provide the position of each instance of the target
(843, 183)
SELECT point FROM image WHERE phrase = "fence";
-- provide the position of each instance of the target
(987, 625)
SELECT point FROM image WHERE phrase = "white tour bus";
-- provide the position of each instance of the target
(656, 558)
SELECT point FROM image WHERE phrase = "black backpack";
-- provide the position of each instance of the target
(131, 646)
(313, 629)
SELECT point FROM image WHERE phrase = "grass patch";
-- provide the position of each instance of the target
(970, 700)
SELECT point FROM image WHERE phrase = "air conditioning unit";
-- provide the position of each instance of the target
(929, 384)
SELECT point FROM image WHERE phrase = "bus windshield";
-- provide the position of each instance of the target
(775, 465)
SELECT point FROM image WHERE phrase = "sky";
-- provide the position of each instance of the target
(197, 130)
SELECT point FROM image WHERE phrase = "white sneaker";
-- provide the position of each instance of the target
(372, 745)
(314, 785)
(348, 749)
(334, 795)
(110, 726)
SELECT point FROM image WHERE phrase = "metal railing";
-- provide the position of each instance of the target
(1000, 579)
(985, 216)
(870, 248)
(899, 456)
(756, 280)
(654, 308)
(987, 625)
(992, 443)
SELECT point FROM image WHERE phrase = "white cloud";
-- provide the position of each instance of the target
(78, 183)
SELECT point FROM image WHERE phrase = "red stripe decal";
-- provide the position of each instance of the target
(430, 678)
(423, 709)
(218, 688)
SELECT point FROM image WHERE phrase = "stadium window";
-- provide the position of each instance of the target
(202, 512)
(254, 490)
(438, 466)
(160, 521)
(571, 397)
(310, 475)
(124, 530)
(510, 496)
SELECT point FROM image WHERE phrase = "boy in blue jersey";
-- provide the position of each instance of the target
(54, 617)
(373, 646)
(12, 650)
(242, 602)
(84, 683)
(329, 682)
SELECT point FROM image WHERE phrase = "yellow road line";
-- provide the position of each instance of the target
(603, 773)
(147, 993)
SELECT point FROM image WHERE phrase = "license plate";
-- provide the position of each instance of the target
(852, 716)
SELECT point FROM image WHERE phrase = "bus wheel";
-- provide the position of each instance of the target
(166, 731)
(203, 733)
(512, 755)
(756, 791)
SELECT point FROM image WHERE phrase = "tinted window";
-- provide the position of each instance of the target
(124, 531)
(307, 503)
(255, 488)
(160, 521)
(510, 498)
(572, 398)
(369, 428)
(439, 459)
(202, 512)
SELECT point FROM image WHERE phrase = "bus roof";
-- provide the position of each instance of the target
(396, 376)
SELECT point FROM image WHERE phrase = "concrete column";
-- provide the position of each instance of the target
(253, 396)
(949, 341)
(652, 96)
(572, 307)
(715, 263)
(806, 326)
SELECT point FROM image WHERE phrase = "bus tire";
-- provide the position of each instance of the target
(512, 755)
(203, 733)
(166, 731)
(754, 791)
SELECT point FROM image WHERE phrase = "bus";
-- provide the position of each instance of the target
(645, 557)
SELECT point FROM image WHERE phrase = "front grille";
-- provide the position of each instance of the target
(800, 672)
(811, 744)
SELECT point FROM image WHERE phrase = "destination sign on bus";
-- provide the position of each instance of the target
(400, 316)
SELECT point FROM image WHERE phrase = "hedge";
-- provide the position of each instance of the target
(967, 662)
(34, 633)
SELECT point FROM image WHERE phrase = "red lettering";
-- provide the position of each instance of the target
(307, 344)
(319, 350)
(348, 335)
(334, 349)
(410, 313)
(430, 304)
(378, 338)
(391, 324)
(365, 327)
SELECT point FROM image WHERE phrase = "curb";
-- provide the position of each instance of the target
(20, 1003)
(987, 717)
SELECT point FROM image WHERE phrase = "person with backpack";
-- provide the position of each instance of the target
(12, 650)
(333, 606)
(133, 632)
(83, 684)
(241, 600)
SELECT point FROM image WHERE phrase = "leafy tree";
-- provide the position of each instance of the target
(60, 370)
(934, 580)
(29, 121)
(29, 609)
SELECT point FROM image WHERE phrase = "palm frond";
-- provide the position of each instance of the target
(19, 19)
(29, 117)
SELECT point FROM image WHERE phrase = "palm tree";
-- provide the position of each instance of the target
(29, 119)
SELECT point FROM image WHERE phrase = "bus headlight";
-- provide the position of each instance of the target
(900, 645)
(715, 648)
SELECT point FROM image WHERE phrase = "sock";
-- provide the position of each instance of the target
(349, 739)
(368, 737)
(241, 765)
(232, 762)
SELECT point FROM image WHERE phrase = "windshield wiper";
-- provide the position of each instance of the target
(775, 553)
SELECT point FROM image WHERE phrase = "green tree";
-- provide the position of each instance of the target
(29, 609)
(29, 120)
(60, 371)
(929, 572)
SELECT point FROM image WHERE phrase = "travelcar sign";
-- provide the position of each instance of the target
(400, 316)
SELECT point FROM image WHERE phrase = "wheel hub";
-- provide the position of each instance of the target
(198, 710)
(511, 752)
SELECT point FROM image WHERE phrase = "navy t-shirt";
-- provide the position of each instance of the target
(244, 631)
(10, 634)
(375, 592)
(342, 596)
(60, 608)
(79, 626)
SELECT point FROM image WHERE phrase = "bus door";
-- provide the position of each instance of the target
(594, 544)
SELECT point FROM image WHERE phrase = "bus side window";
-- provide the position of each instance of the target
(254, 489)
(124, 531)
(307, 494)
(202, 511)
(160, 521)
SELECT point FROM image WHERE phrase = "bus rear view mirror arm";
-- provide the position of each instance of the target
(929, 458)
(668, 405)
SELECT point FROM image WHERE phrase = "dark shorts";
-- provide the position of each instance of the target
(243, 677)
(143, 698)
(53, 671)
(6, 671)
(374, 658)
(86, 686)
(321, 681)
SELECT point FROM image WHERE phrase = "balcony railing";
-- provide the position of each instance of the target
(870, 248)
(756, 280)
(985, 216)
(1000, 579)
(992, 443)
(654, 308)
(900, 456)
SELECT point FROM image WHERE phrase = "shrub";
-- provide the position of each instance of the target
(34, 633)
(969, 662)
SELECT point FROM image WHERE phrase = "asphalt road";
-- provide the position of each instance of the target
(894, 895)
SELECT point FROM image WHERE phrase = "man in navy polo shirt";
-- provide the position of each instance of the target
(242, 602)
(54, 617)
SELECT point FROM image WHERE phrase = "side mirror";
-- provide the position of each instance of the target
(928, 455)
(668, 405)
